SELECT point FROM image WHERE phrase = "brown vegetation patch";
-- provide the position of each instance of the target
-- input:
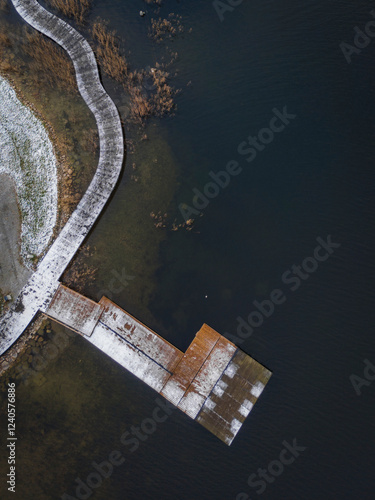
(149, 90)
(5, 40)
(51, 64)
(107, 50)
(162, 29)
(42, 74)
(74, 9)
(80, 274)
(163, 99)
(4, 5)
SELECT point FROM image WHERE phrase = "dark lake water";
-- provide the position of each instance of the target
(313, 179)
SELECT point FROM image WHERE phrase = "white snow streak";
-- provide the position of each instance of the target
(27, 156)
(257, 389)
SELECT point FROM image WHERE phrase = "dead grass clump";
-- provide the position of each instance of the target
(50, 62)
(4, 5)
(113, 63)
(7, 67)
(74, 9)
(5, 40)
(80, 274)
(141, 107)
(163, 100)
(149, 91)
(162, 29)
(116, 66)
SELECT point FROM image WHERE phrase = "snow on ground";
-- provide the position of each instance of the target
(26, 154)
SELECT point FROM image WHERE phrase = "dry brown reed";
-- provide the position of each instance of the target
(5, 40)
(74, 9)
(166, 28)
(50, 63)
(157, 100)
(4, 5)
(112, 62)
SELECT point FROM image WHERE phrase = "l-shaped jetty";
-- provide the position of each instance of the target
(213, 382)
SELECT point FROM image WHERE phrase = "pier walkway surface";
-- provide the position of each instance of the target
(39, 290)
(213, 382)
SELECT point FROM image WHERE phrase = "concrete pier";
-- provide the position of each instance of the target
(213, 382)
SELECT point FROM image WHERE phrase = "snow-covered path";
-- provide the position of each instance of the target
(38, 292)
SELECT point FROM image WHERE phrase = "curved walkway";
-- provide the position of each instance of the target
(38, 292)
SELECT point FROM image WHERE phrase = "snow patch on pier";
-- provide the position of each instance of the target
(27, 156)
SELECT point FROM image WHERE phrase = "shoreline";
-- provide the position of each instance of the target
(64, 181)
(65, 190)
(9, 359)
(28, 158)
(38, 293)
(142, 170)
(62, 166)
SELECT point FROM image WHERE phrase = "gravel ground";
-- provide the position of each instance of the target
(13, 275)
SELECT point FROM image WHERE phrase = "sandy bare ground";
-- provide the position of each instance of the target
(41, 287)
(13, 275)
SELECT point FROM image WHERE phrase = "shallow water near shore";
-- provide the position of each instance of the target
(314, 179)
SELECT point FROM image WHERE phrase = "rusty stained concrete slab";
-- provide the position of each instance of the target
(233, 396)
(139, 335)
(128, 356)
(74, 311)
(208, 375)
(190, 364)
(214, 382)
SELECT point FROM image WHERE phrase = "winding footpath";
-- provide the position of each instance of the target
(36, 296)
